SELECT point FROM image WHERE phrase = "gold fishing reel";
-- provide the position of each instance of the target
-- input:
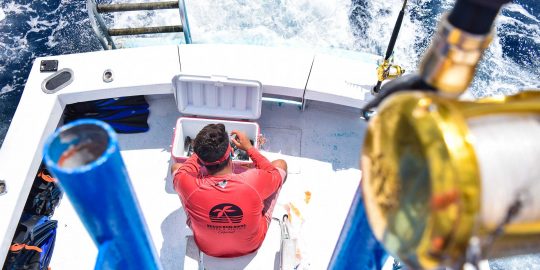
(438, 172)
(388, 70)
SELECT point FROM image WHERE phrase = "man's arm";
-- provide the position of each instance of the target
(191, 167)
(267, 179)
(242, 142)
(260, 161)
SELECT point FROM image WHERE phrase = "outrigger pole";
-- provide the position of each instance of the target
(384, 68)
(85, 158)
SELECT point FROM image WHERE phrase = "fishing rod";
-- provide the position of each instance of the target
(436, 71)
(434, 188)
(384, 70)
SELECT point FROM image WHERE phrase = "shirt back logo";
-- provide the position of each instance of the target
(226, 213)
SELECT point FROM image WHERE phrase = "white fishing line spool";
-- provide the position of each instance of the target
(507, 149)
(508, 154)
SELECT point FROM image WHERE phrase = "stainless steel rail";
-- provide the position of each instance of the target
(145, 30)
(121, 7)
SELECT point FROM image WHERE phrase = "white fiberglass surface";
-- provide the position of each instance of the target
(320, 144)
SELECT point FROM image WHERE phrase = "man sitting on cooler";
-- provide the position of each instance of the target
(229, 213)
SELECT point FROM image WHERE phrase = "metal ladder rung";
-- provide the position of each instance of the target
(145, 30)
(105, 34)
(108, 8)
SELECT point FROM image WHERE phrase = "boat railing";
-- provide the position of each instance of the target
(105, 34)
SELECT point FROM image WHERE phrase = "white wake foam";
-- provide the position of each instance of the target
(13, 7)
(297, 23)
(2, 15)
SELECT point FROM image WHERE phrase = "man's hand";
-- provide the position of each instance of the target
(241, 140)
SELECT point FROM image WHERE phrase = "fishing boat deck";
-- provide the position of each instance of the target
(320, 144)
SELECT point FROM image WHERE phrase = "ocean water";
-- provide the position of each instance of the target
(30, 29)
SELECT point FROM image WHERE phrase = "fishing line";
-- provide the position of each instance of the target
(508, 152)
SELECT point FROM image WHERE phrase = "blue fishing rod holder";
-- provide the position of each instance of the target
(357, 247)
(85, 158)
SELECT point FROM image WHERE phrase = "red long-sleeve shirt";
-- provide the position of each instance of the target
(226, 212)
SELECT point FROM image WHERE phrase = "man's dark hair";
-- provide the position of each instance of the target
(211, 144)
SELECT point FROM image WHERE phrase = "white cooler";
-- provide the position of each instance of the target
(205, 100)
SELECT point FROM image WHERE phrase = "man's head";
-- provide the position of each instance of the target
(211, 144)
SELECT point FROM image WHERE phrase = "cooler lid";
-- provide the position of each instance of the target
(218, 96)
